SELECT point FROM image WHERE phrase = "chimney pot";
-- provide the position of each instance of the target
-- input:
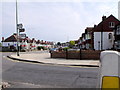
(95, 26)
(103, 18)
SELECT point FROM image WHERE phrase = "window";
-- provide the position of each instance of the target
(118, 30)
(89, 36)
(111, 24)
(110, 36)
(86, 36)
(118, 45)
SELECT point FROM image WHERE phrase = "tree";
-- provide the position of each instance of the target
(72, 43)
(59, 44)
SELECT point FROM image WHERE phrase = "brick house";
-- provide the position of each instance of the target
(103, 33)
(11, 42)
(101, 36)
(33, 44)
(86, 40)
(117, 37)
(80, 42)
(89, 38)
(83, 41)
(25, 43)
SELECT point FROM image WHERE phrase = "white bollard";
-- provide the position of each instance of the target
(110, 69)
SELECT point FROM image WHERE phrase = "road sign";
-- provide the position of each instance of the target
(22, 35)
(19, 26)
(110, 69)
(22, 30)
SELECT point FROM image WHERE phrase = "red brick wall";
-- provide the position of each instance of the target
(90, 54)
(85, 55)
(73, 55)
(55, 54)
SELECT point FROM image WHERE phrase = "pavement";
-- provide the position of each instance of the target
(44, 58)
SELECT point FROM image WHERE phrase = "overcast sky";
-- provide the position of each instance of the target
(55, 20)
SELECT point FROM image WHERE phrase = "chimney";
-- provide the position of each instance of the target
(95, 26)
(103, 18)
(2, 38)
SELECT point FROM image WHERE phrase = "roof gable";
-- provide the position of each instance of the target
(88, 29)
(104, 24)
(12, 38)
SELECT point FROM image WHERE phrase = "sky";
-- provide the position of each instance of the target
(54, 20)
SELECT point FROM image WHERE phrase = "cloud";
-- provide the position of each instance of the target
(61, 1)
(55, 21)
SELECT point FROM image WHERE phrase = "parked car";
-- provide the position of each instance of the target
(52, 49)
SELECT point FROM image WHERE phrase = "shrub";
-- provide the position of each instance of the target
(39, 47)
(44, 48)
(66, 48)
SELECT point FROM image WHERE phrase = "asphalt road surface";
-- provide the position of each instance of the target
(29, 75)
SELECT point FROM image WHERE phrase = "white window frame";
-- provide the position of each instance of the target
(111, 24)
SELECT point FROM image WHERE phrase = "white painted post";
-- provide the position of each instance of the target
(110, 65)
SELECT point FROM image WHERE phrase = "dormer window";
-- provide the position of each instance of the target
(111, 24)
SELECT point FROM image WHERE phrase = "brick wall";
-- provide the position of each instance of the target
(85, 55)
(55, 54)
(73, 55)
(90, 54)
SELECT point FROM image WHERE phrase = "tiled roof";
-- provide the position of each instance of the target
(12, 38)
(88, 29)
(104, 26)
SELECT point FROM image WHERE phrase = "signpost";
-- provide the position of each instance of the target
(23, 35)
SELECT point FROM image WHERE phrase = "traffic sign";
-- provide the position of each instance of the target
(19, 26)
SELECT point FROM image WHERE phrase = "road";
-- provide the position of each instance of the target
(29, 75)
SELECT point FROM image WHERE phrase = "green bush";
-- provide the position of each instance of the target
(44, 48)
(41, 47)
(66, 48)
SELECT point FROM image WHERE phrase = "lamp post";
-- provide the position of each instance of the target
(19, 28)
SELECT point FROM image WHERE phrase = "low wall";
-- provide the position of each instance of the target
(90, 54)
(83, 54)
(58, 54)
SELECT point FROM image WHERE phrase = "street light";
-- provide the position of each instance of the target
(19, 28)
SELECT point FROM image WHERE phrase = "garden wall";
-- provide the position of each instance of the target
(81, 55)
